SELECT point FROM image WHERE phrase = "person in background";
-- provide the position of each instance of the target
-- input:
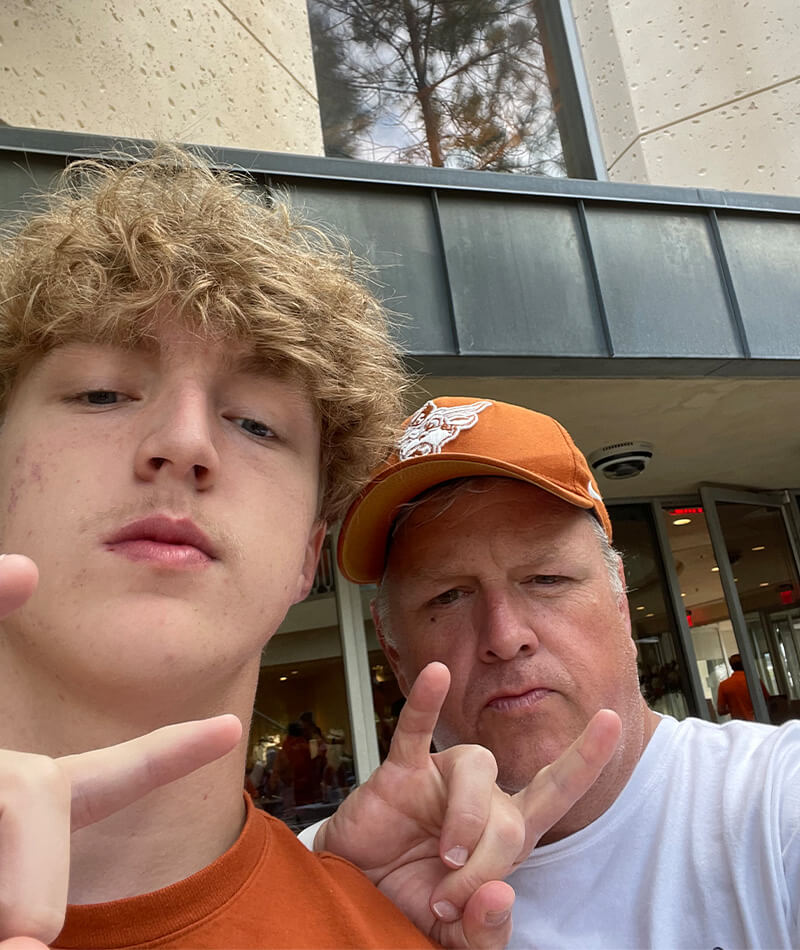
(733, 695)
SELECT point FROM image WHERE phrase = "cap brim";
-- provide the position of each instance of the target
(365, 531)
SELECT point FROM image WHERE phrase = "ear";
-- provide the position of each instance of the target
(310, 560)
(390, 650)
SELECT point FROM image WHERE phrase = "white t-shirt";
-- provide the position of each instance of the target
(701, 850)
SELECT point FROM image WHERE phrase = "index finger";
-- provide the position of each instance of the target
(411, 743)
(558, 786)
(105, 780)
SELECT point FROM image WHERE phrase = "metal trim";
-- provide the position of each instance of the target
(727, 282)
(358, 680)
(583, 104)
(710, 497)
(73, 145)
(678, 609)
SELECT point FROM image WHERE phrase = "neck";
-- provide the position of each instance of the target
(172, 832)
(639, 724)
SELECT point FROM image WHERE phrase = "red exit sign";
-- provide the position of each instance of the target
(685, 511)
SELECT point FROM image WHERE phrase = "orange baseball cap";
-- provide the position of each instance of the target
(460, 437)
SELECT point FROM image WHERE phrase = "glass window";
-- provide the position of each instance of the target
(300, 760)
(767, 584)
(662, 670)
(703, 598)
(757, 548)
(455, 83)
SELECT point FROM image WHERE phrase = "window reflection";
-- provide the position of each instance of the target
(768, 588)
(300, 760)
(461, 84)
(662, 674)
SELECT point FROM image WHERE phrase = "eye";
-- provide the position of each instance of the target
(101, 397)
(447, 597)
(255, 428)
(546, 580)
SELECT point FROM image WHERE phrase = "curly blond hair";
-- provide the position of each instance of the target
(116, 241)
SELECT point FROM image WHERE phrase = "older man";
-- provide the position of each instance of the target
(490, 545)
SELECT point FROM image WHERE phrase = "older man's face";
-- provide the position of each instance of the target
(510, 589)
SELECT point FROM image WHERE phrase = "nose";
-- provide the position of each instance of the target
(506, 629)
(178, 441)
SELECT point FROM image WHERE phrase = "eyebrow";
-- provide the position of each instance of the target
(255, 364)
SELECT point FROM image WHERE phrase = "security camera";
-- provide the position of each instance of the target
(621, 459)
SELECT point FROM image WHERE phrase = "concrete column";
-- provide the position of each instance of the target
(215, 72)
(702, 93)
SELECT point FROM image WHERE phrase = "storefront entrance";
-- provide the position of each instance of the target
(714, 593)
(755, 542)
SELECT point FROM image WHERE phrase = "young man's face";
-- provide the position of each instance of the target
(169, 498)
(509, 588)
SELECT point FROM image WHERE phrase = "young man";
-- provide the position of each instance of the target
(490, 543)
(192, 384)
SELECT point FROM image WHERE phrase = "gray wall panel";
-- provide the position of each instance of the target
(396, 232)
(520, 281)
(764, 260)
(661, 283)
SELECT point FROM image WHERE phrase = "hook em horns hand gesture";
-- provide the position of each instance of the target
(438, 836)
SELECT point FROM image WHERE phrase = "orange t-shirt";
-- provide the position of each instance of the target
(266, 891)
(734, 694)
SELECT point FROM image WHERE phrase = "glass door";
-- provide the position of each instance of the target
(755, 541)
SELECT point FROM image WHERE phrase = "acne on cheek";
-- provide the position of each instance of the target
(33, 475)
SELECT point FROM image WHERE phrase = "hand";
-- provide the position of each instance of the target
(438, 836)
(43, 799)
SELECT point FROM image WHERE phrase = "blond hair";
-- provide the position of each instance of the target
(116, 242)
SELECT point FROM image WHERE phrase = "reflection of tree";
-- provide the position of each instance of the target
(460, 83)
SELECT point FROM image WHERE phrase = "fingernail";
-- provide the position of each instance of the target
(496, 918)
(457, 856)
(446, 911)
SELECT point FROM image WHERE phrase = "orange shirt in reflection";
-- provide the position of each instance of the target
(733, 697)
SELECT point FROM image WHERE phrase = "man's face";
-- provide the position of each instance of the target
(510, 589)
(169, 498)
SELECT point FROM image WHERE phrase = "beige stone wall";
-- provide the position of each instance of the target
(702, 93)
(235, 73)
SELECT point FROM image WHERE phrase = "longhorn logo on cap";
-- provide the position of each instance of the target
(432, 427)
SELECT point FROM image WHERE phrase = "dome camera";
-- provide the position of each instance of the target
(621, 459)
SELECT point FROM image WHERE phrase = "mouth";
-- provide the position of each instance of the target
(519, 702)
(163, 541)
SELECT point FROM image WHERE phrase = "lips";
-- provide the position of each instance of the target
(523, 700)
(159, 533)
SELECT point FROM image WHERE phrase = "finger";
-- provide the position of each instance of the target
(105, 780)
(492, 859)
(34, 846)
(558, 786)
(18, 579)
(411, 742)
(469, 772)
(22, 943)
(486, 924)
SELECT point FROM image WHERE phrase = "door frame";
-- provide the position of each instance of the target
(787, 505)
